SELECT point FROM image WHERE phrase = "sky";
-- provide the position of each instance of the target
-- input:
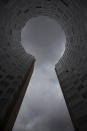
(43, 107)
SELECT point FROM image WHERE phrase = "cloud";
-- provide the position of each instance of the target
(46, 123)
(43, 107)
(44, 38)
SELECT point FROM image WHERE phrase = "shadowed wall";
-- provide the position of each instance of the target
(71, 68)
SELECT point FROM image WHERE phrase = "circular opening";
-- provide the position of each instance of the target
(44, 38)
(43, 107)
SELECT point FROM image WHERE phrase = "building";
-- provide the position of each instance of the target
(16, 65)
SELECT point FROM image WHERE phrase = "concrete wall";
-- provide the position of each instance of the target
(71, 68)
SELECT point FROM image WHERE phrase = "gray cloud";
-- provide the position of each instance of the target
(43, 107)
(42, 37)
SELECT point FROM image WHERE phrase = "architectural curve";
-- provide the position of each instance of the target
(71, 68)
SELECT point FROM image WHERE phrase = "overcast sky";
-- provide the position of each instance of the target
(43, 107)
